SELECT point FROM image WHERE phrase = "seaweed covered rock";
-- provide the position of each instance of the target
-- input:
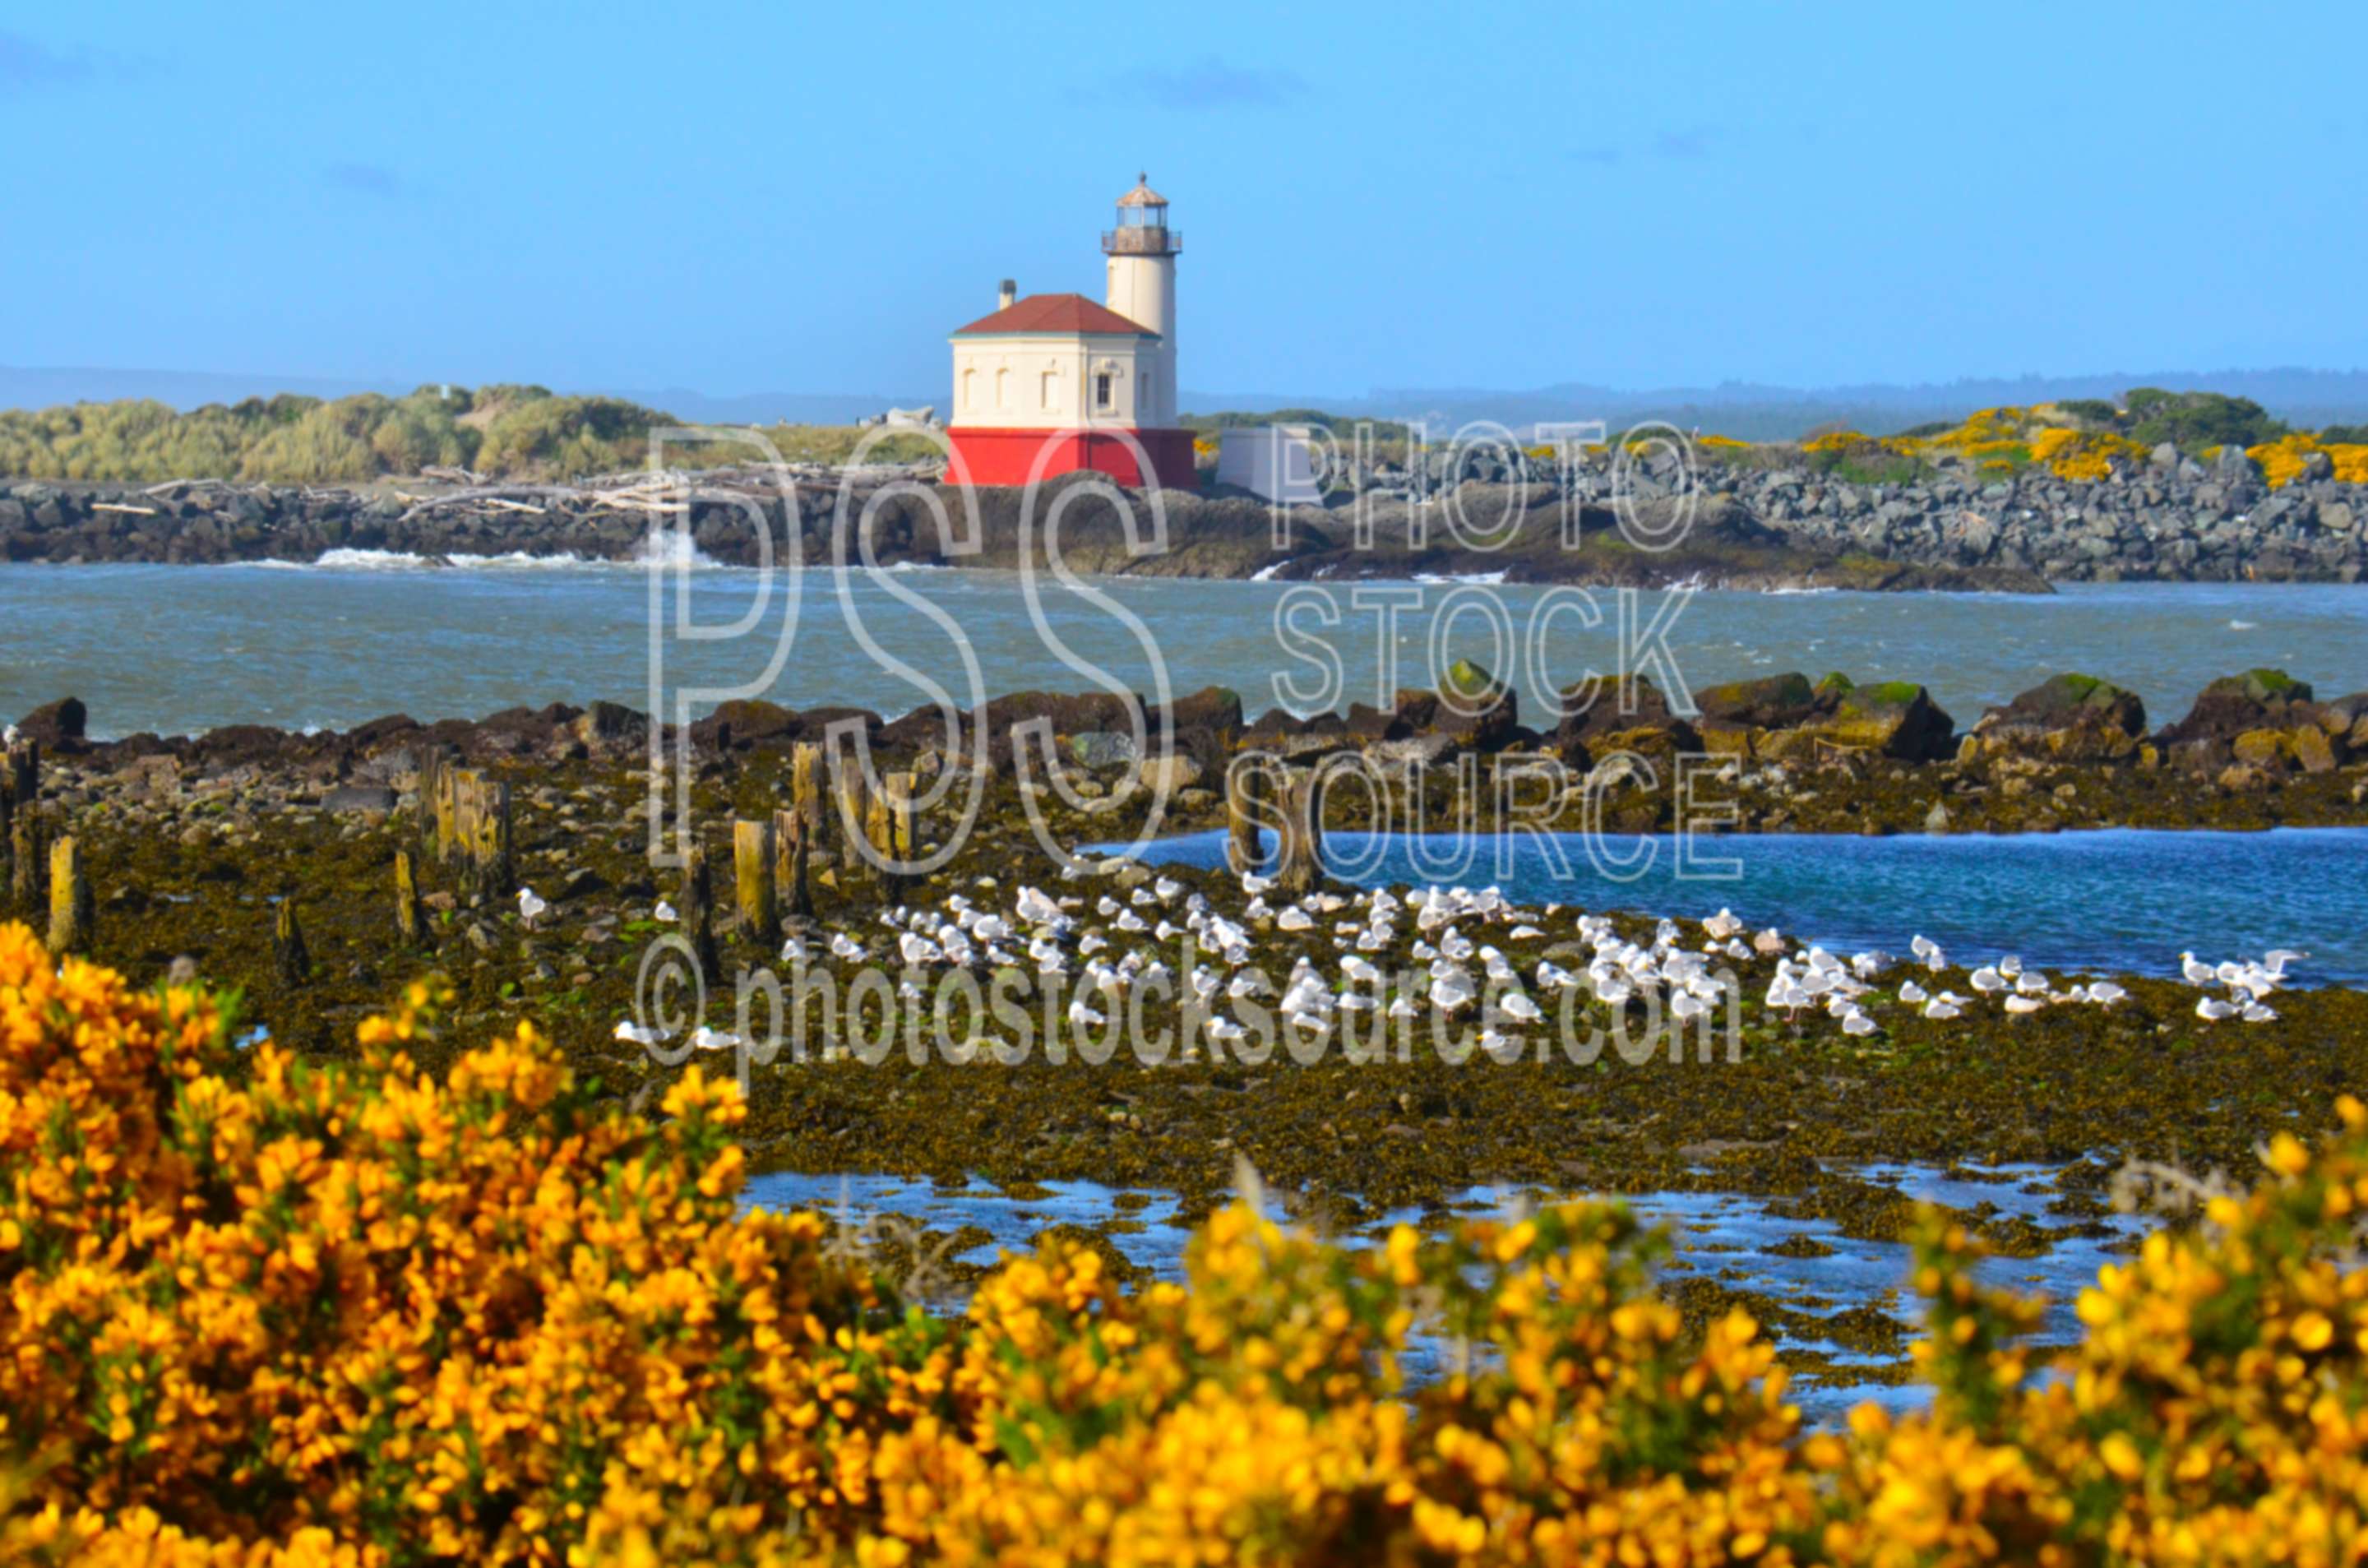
(1604, 718)
(1469, 704)
(1891, 718)
(1735, 715)
(2264, 720)
(2067, 718)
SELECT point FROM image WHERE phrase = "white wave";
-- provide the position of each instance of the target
(1484, 579)
(2242, 625)
(353, 561)
(1266, 573)
(1796, 593)
(671, 547)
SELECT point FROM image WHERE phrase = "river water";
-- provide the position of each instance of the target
(178, 649)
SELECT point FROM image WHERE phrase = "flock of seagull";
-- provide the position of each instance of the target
(1105, 946)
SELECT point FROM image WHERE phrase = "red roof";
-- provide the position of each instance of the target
(1056, 313)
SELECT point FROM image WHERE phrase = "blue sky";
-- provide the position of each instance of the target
(800, 198)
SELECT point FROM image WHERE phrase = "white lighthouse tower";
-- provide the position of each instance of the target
(1142, 252)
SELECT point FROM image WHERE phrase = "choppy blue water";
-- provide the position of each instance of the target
(175, 649)
(2121, 900)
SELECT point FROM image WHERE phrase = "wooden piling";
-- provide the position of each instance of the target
(479, 838)
(439, 828)
(696, 909)
(410, 920)
(752, 882)
(888, 828)
(1299, 861)
(71, 905)
(23, 779)
(852, 795)
(793, 891)
(25, 880)
(810, 794)
(289, 954)
(1241, 826)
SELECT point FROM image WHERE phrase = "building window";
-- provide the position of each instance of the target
(1049, 390)
(969, 389)
(1003, 386)
(1102, 390)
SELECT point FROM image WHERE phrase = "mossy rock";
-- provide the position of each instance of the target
(1893, 719)
(2263, 686)
(1470, 704)
(2075, 701)
(1770, 702)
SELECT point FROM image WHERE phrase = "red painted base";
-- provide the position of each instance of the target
(1013, 457)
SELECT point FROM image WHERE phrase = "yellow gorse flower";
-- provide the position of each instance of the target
(268, 1311)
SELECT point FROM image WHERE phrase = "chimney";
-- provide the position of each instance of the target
(1009, 291)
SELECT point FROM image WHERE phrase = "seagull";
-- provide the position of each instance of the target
(2211, 1009)
(843, 946)
(1940, 1008)
(1987, 980)
(632, 1033)
(2196, 971)
(2104, 993)
(2021, 1003)
(665, 912)
(1167, 888)
(1857, 1023)
(1519, 1007)
(1911, 993)
(2257, 1013)
(529, 906)
(713, 1039)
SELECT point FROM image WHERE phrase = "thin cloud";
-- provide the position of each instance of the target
(1691, 144)
(1211, 82)
(366, 179)
(26, 63)
(1596, 154)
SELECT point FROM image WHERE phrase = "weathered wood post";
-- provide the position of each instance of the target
(289, 954)
(1241, 826)
(410, 920)
(24, 872)
(852, 795)
(752, 882)
(439, 815)
(889, 830)
(810, 793)
(71, 906)
(695, 908)
(792, 895)
(480, 823)
(24, 782)
(1299, 861)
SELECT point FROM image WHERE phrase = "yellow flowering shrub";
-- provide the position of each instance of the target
(2282, 460)
(265, 1311)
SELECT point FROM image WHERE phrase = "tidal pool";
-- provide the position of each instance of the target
(1744, 1242)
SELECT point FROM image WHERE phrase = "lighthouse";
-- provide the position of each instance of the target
(1054, 384)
